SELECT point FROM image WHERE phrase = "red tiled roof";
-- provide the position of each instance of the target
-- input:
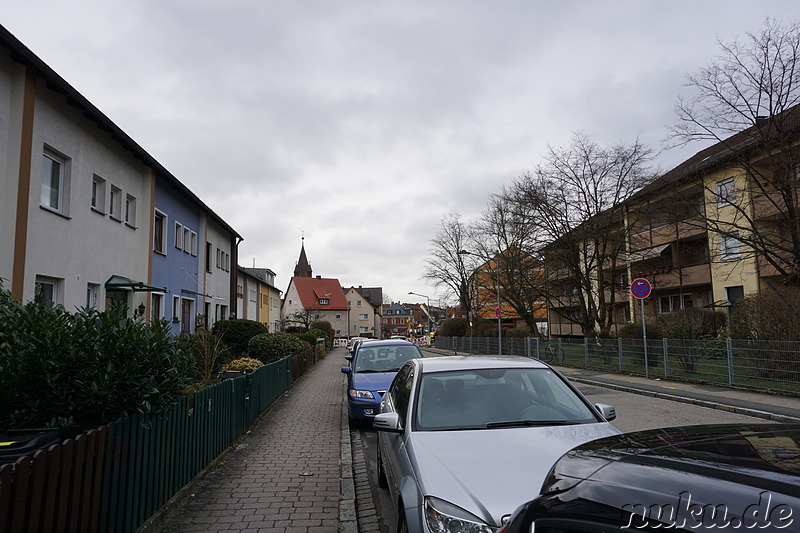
(312, 290)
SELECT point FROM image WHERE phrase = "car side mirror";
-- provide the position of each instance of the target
(345, 370)
(348, 357)
(608, 411)
(387, 422)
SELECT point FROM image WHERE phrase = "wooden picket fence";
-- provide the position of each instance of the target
(112, 479)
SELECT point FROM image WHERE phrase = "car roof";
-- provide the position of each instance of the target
(476, 362)
(390, 342)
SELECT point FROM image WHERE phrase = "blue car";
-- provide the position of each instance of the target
(371, 370)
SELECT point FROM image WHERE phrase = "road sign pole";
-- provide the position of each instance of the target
(640, 288)
(644, 339)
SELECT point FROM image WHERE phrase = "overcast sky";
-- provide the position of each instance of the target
(360, 124)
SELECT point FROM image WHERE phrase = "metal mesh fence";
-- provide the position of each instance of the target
(763, 365)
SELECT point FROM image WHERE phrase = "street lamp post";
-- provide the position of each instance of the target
(428, 313)
(497, 311)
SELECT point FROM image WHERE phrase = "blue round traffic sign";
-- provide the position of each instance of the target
(640, 288)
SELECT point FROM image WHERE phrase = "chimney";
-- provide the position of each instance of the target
(319, 277)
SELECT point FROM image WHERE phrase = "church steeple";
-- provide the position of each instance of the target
(302, 268)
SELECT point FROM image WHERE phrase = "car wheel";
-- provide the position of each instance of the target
(382, 481)
(402, 525)
(353, 422)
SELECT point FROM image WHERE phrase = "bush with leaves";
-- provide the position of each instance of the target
(269, 347)
(236, 334)
(77, 371)
(243, 364)
(454, 327)
(210, 354)
(324, 329)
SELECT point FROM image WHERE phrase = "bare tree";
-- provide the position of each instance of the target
(576, 200)
(444, 267)
(502, 233)
(745, 101)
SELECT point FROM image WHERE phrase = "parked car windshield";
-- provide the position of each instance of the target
(495, 398)
(384, 358)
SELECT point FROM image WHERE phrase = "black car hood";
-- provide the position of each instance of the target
(771, 450)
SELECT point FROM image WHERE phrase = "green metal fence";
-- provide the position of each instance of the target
(135, 465)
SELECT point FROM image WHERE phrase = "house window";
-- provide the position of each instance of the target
(219, 257)
(92, 292)
(338, 316)
(323, 301)
(187, 239)
(156, 305)
(159, 232)
(176, 308)
(675, 302)
(99, 194)
(55, 182)
(209, 250)
(115, 203)
(363, 329)
(193, 247)
(179, 235)
(358, 303)
(730, 246)
(363, 316)
(726, 192)
(47, 291)
(253, 297)
(130, 210)
(734, 294)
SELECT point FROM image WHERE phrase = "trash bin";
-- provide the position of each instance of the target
(16, 443)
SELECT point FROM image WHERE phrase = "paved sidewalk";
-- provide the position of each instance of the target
(285, 475)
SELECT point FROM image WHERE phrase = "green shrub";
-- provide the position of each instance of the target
(210, 354)
(691, 324)
(236, 334)
(454, 327)
(516, 333)
(326, 330)
(269, 347)
(311, 336)
(243, 364)
(79, 371)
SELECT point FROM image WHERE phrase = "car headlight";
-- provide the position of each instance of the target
(443, 517)
(361, 394)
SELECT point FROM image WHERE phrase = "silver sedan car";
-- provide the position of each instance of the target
(463, 441)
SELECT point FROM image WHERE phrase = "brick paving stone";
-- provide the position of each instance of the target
(258, 486)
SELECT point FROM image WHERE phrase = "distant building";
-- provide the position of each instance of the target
(397, 319)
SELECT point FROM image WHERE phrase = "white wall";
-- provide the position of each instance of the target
(84, 246)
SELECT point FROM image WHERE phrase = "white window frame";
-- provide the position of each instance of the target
(176, 308)
(178, 235)
(115, 203)
(50, 157)
(92, 295)
(193, 247)
(726, 192)
(98, 195)
(130, 210)
(363, 316)
(55, 289)
(187, 240)
(324, 301)
(164, 224)
(157, 307)
(671, 300)
(730, 247)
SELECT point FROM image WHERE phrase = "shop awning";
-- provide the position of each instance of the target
(647, 253)
(121, 283)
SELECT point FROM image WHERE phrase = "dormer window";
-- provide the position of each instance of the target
(323, 301)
